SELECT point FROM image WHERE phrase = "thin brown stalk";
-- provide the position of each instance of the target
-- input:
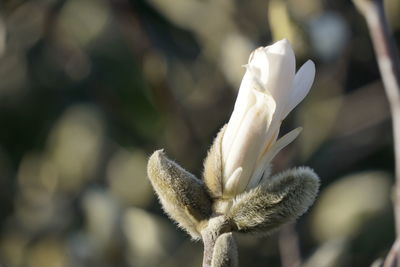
(392, 255)
(389, 66)
(216, 227)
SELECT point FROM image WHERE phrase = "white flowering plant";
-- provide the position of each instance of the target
(238, 192)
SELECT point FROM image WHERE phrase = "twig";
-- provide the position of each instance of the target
(389, 66)
(216, 227)
(392, 255)
(209, 239)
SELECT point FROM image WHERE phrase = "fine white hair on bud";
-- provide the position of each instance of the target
(238, 193)
(270, 89)
(183, 196)
(284, 198)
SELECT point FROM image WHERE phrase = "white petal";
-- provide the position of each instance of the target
(271, 153)
(281, 73)
(301, 86)
(258, 61)
(244, 101)
(280, 47)
(271, 134)
(270, 140)
(261, 175)
(246, 145)
(279, 82)
(266, 177)
(262, 163)
(231, 184)
(284, 141)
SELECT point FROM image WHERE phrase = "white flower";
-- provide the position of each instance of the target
(270, 89)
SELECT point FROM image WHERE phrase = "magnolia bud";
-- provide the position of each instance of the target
(240, 157)
(183, 196)
(284, 198)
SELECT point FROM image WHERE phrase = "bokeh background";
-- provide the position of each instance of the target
(90, 88)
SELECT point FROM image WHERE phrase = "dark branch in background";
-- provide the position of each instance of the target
(389, 66)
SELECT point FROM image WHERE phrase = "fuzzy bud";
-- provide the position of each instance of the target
(283, 199)
(183, 196)
(240, 158)
(213, 167)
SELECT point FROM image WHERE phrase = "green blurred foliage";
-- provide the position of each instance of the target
(89, 88)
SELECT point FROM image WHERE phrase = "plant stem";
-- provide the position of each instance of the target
(216, 227)
(391, 257)
(209, 238)
(389, 66)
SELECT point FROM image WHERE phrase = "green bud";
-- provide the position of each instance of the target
(183, 197)
(284, 198)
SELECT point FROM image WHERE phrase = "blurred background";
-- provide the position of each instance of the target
(90, 88)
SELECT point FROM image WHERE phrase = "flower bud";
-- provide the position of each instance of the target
(183, 196)
(270, 89)
(284, 198)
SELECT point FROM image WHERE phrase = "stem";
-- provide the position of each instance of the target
(216, 227)
(225, 252)
(389, 66)
(391, 257)
(209, 238)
